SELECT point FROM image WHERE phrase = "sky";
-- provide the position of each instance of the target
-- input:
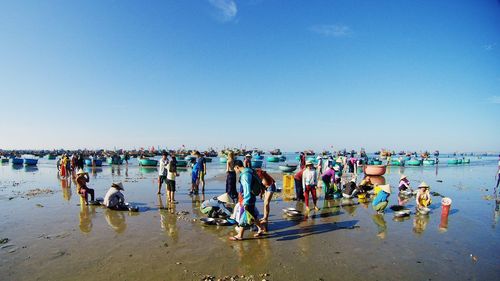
(402, 74)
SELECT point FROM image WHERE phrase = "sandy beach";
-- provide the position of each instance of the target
(51, 236)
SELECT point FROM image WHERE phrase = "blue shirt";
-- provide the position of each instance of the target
(246, 177)
(381, 196)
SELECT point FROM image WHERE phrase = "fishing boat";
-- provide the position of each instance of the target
(428, 162)
(282, 158)
(258, 157)
(17, 161)
(190, 158)
(208, 159)
(223, 160)
(459, 161)
(51, 157)
(150, 162)
(273, 159)
(413, 162)
(30, 161)
(466, 161)
(275, 152)
(374, 162)
(374, 170)
(5, 160)
(287, 168)
(452, 161)
(257, 163)
(397, 163)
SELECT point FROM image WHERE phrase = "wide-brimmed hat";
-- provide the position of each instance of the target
(225, 198)
(80, 172)
(336, 168)
(402, 177)
(308, 163)
(423, 185)
(386, 188)
(118, 185)
(248, 155)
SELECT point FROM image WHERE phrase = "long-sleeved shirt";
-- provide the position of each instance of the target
(113, 198)
(246, 185)
(381, 196)
(309, 177)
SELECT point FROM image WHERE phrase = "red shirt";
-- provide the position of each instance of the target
(298, 175)
(263, 175)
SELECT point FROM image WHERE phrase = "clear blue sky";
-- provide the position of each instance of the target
(288, 74)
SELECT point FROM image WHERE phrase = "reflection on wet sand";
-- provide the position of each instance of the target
(93, 170)
(116, 220)
(168, 219)
(66, 188)
(379, 221)
(86, 215)
(420, 223)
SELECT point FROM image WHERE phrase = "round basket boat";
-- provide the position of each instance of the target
(374, 170)
(413, 162)
(428, 162)
(150, 162)
(288, 168)
(273, 159)
(257, 163)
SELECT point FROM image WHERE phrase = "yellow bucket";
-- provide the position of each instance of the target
(361, 195)
(288, 182)
(377, 189)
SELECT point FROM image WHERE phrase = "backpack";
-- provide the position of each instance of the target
(256, 186)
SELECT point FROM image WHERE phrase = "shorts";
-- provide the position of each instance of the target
(162, 179)
(272, 188)
(171, 185)
(194, 177)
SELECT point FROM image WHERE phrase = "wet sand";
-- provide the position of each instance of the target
(53, 237)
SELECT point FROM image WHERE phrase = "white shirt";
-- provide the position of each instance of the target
(163, 167)
(113, 198)
(309, 177)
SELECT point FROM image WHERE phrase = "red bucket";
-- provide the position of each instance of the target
(445, 206)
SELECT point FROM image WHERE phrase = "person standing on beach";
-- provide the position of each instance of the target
(249, 199)
(162, 173)
(270, 185)
(198, 173)
(231, 177)
(171, 175)
(82, 179)
(299, 191)
(302, 160)
(498, 172)
(309, 182)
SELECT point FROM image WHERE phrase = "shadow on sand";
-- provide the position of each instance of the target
(293, 234)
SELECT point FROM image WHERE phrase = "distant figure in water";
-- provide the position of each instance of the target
(381, 201)
(82, 179)
(114, 199)
(248, 161)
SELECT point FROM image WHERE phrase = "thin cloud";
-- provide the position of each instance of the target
(226, 9)
(332, 30)
(495, 99)
(489, 47)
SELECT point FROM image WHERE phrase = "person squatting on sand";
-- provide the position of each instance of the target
(114, 199)
(382, 199)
